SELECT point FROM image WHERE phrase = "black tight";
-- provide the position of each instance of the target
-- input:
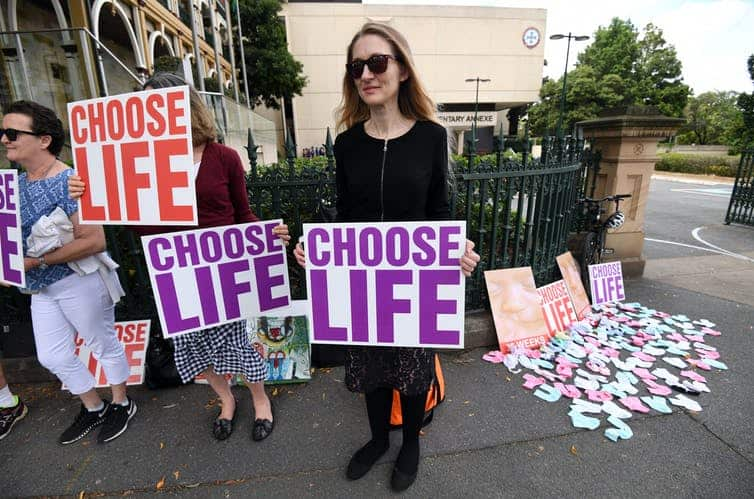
(379, 404)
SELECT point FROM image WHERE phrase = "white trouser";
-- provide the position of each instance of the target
(77, 304)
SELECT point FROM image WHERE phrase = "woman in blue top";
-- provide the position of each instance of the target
(64, 302)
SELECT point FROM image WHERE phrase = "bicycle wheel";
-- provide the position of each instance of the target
(590, 254)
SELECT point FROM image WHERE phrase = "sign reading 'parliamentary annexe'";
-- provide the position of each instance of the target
(466, 118)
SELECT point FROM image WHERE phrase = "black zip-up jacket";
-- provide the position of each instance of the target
(402, 180)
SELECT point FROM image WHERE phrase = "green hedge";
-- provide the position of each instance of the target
(724, 166)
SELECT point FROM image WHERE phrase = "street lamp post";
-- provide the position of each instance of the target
(478, 80)
(578, 38)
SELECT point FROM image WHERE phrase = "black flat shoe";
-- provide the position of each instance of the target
(400, 481)
(363, 460)
(263, 427)
(222, 428)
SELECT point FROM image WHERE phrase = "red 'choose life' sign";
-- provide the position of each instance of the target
(134, 152)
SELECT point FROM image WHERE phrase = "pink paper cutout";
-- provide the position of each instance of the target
(711, 332)
(694, 375)
(635, 404)
(532, 381)
(643, 356)
(569, 391)
(709, 354)
(644, 373)
(700, 364)
(598, 395)
(656, 389)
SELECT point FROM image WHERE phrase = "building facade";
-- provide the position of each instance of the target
(59, 51)
(451, 45)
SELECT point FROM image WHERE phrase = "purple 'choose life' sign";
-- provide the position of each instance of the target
(11, 240)
(207, 277)
(606, 280)
(386, 284)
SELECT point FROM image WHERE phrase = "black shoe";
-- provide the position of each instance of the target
(263, 427)
(85, 422)
(9, 416)
(222, 428)
(364, 458)
(116, 421)
(400, 481)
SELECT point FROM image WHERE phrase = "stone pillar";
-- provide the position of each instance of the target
(627, 138)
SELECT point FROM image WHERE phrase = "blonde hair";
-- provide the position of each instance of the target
(413, 100)
(202, 123)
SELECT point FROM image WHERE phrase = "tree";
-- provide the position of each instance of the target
(271, 71)
(712, 118)
(745, 102)
(618, 68)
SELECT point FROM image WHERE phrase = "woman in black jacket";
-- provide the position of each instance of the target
(392, 166)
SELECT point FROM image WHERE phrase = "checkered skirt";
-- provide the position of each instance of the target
(226, 348)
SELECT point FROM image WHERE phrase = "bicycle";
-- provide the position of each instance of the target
(593, 247)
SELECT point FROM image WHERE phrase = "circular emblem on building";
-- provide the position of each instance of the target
(638, 149)
(531, 37)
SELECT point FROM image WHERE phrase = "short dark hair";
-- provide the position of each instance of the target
(44, 121)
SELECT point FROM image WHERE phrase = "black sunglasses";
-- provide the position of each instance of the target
(377, 64)
(12, 133)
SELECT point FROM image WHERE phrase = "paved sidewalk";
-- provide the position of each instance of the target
(490, 438)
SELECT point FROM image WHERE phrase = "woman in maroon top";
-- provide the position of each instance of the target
(221, 200)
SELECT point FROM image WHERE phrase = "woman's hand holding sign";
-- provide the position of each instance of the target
(469, 259)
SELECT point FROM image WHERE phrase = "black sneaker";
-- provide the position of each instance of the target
(9, 416)
(85, 422)
(116, 421)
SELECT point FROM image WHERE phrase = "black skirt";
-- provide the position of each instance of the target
(408, 370)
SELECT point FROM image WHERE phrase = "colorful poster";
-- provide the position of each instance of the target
(516, 308)
(606, 280)
(569, 269)
(207, 277)
(557, 307)
(11, 241)
(134, 335)
(386, 284)
(284, 341)
(135, 154)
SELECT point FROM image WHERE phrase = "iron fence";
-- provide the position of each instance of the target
(741, 207)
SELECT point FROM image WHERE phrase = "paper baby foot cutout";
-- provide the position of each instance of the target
(626, 377)
(611, 408)
(582, 405)
(643, 373)
(693, 375)
(634, 403)
(578, 420)
(686, 403)
(656, 389)
(619, 431)
(497, 357)
(708, 354)
(598, 395)
(700, 364)
(586, 384)
(665, 375)
(532, 381)
(675, 362)
(547, 393)
(643, 356)
(716, 364)
(569, 391)
(659, 404)
(654, 351)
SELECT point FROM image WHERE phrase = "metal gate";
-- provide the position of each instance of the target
(741, 207)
